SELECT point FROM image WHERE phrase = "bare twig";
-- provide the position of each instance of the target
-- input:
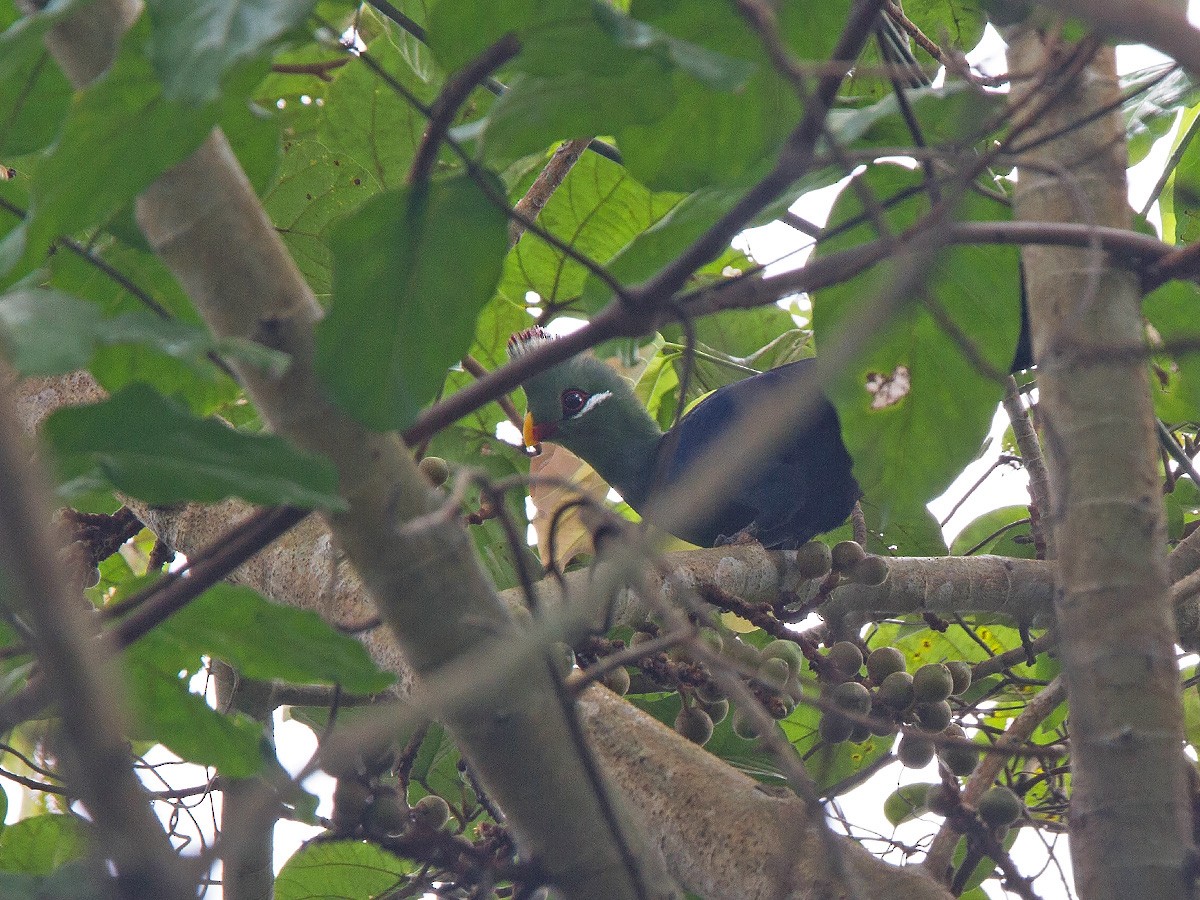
(452, 96)
(545, 185)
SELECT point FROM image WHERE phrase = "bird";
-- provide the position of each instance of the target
(802, 489)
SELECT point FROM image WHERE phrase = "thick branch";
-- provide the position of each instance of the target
(79, 675)
(1130, 818)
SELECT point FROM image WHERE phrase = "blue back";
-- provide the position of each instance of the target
(803, 488)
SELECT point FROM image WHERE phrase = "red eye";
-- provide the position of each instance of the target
(573, 401)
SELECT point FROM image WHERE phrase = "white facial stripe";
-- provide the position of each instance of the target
(592, 402)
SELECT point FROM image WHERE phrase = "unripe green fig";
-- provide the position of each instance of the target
(960, 760)
(960, 674)
(694, 724)
(617, 681)
(834, 729)
(932, 683)
(435, 469)
(788, 651)
(845, 657)
(882, 662)
(871, 571)
(896, 691)
(741, 652)
(938, 800)
(999, 807)
(775, 672)
(933, 717)
(851, 697)
(881, 726)
(708, 692)
(846, 555)
(742, 726)
(717, 710)
(814, 560)
(914, 751)
(780, 706)
(431, 812)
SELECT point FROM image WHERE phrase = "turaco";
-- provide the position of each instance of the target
(802, 490)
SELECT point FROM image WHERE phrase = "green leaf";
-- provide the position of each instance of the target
(33, 103)
(914, 407)
(830, 765)
(951, 114)
(353, 138)
(685, 110)
(460, 30)
(597, 211)
(40, 844)
(961, 23)
(48, 332)
(906, 803)
(21, 42)
(412, 270)
(148, 446)
(168, 713)
(1156, 94)
(340, 870)
(119, 136)
(990, 531)
(228, 623)
(1171, 311)
(1183, 185)
(196, 42)
(435, 767)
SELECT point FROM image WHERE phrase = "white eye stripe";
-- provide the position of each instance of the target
(592, 402)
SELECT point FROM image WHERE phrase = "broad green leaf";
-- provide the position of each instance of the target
(895, 531)
(47, 332)
(684, 112)
(119, 135)
(21, 41)
(958, 23)
(597, 211)
(914, 407)
(40, 844)
(340, 870)
(345, 142)
(991, 534)
(828, 764)
(1157, 94)
(148, 446)
(435, 767)
(228, 622)
(166, 712)
(906, 803)
(412, 270)
(1172, 312)
(953, 113)
(33, 103)
(460, 30)
(196, 42)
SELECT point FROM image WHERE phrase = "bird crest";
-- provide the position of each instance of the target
(527, 341)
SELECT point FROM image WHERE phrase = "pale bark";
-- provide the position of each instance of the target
(1130, 817)
(204, 220)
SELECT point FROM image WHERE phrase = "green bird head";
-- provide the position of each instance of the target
(583, 405)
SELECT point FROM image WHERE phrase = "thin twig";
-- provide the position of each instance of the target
(452, 96)
(545, 185)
